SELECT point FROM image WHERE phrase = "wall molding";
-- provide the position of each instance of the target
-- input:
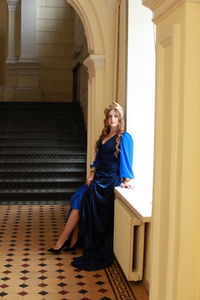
(93, 62)
(13, 5)
(161, 8)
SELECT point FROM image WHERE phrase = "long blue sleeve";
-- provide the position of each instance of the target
(126, 156)
(96, 161)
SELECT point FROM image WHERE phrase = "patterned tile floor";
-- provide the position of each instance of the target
(29, 272)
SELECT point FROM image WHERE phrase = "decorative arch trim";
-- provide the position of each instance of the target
(91, 25)
(99, 62)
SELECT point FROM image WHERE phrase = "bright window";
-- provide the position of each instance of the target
(140, 92)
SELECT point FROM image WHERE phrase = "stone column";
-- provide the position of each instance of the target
(13, 30)
(175, 261)
(28, 86)
(22, 65)
(95, 65)
(11, 74)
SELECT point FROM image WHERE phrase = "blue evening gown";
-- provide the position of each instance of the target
(96, 204)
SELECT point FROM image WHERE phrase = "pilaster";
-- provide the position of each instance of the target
(13, 30)
(96, 69)
(22, 65)
(176, 209)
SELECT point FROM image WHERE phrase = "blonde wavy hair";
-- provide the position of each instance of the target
(106, 130)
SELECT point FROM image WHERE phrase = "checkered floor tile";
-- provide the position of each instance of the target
(28, 271)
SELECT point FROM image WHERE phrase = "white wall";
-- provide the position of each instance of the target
(140, 91)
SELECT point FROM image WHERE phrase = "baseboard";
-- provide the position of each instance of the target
(145, 283)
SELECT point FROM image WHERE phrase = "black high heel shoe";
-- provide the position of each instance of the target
(67, 249)
(63, 247)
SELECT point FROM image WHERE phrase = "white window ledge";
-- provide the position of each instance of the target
(137, 200)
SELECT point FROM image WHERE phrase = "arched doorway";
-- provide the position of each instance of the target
(100, 84)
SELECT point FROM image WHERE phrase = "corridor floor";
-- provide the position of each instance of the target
(29, 272)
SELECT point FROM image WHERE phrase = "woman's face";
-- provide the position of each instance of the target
(113, 119)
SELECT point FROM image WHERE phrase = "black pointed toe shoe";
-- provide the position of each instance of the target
(67, 249)
(63, 247)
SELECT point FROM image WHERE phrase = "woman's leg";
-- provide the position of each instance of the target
(71, 224)
(74, 237)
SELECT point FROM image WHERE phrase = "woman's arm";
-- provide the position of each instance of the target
(91, 175)
(126, 159)
(93, 169)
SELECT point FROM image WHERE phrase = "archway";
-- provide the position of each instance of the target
(91, 25)
(95, 63)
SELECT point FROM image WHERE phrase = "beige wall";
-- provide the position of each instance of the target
(107, 14)
(175, 262)
(55, 31)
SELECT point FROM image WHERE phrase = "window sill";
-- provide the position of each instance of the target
(137, 200)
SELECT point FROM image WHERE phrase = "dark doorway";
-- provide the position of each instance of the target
(76, 82)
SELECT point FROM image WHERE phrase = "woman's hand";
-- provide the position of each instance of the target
(90, 178)
(127, 185)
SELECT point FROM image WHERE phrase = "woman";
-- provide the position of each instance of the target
(92, 206)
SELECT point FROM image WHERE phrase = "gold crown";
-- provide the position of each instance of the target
(114, 105)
